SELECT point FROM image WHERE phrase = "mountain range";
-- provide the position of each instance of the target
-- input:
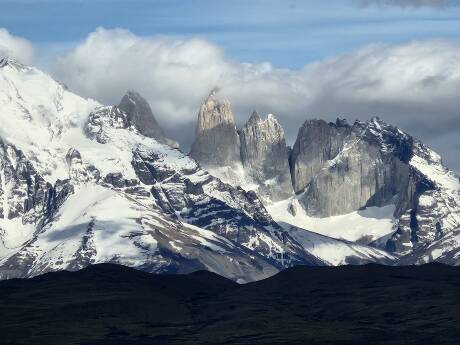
(85, 183)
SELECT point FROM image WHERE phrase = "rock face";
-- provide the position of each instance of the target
(265, 157)
(340, 168)
(216, 143)
(428, 228)
(140, 115)
(255, 157)
(317, 143)
(22, 190)
(337, 169)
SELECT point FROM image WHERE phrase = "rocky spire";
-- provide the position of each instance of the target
(140, 115)
(265, 156)
(254, 118)
(7, 61)
(216, 143)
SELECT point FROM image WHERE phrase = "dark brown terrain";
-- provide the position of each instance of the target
(109, 304)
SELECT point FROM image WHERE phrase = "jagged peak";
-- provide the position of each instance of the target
(272, 118)
(211, 97)
(374, 122)
(342, 122)
(377, 122)
(315, 122)
(213, 92)
(140, 116)
(377, 125)
(11, 62)
(215, 111)
(375, 131)
(133, 95)
(376, 119)
(389, 138)
(213, 101)
(254, 118)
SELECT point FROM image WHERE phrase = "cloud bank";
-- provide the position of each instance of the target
(16, 47)
(415, 85)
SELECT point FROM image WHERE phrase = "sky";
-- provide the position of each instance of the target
(298, 59)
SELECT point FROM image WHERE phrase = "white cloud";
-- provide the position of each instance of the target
(419, 74)
(16, 47)
(414, 85)
(174, 75)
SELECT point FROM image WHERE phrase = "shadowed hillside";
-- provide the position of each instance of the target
(110, 304)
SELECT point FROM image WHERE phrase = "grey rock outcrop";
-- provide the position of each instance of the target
(22, 190)
(216, 143)
(340, 168)
(79, 170)
(317, 143)
(110, 116)
(431, 220)
(24, 194)
(140, 115)
(265, 156)
(7, 61)
(337, 169)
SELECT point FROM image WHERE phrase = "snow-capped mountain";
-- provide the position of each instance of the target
(84, 183)
(81, 183)
(367, 183)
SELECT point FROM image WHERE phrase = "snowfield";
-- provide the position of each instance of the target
(362, 226)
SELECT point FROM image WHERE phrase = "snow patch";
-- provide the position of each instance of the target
(433, 170)
(368, 224)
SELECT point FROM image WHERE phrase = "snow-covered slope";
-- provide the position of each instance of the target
(81, 185)
(40, 117)
(362, 226)
(335, 252)
(99, 224)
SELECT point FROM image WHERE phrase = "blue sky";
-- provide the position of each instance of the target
(286, 33)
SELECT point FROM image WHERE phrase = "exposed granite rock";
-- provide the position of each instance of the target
(24, 194)
(105, 117)
(340, 168)
(22, 189)
(118, 181)
(140, 115)
(133, 113)
(79, 170)
(317, 143)
(265, 157)
(216, 143)
(433, 214)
